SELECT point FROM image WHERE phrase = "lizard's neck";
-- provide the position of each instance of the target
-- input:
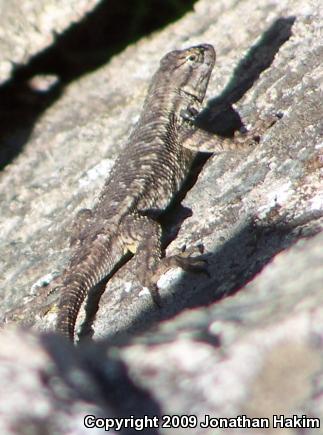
(164, 103)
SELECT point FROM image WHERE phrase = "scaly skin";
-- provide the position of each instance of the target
(145, 178)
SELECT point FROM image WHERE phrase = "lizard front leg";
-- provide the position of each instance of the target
(196, 138)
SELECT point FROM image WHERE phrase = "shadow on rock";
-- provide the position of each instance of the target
(93, 374)
(83, 47)
(219, 116)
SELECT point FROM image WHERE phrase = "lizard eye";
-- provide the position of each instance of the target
(192, 57)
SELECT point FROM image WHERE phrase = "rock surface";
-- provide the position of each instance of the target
(250, 338)
(27, 27)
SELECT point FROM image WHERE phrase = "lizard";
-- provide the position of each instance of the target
(144, 180)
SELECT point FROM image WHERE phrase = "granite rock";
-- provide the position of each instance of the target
(27, 27)
(243, 340)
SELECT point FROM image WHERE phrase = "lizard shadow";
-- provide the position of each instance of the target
(219, 117)
(239, 259)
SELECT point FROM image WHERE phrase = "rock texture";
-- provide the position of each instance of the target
(27, 27)
(250, 338)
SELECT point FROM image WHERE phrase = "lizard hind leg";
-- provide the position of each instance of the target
(142, 236)
(150, 263)
(186, 260)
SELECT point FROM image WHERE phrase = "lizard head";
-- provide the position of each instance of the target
(189, 70)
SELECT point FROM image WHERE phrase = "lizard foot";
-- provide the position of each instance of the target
(264, 124)
(244, 138)
(196, 264)
(186, 261)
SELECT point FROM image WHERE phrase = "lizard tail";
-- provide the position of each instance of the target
(69, 307)
(74, 291)
(79, 280)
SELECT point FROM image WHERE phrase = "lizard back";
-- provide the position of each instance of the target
(145, 177)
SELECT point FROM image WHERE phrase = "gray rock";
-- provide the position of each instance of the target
(250, 340)
(263, 344)
(27, 27)
(36, 396)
